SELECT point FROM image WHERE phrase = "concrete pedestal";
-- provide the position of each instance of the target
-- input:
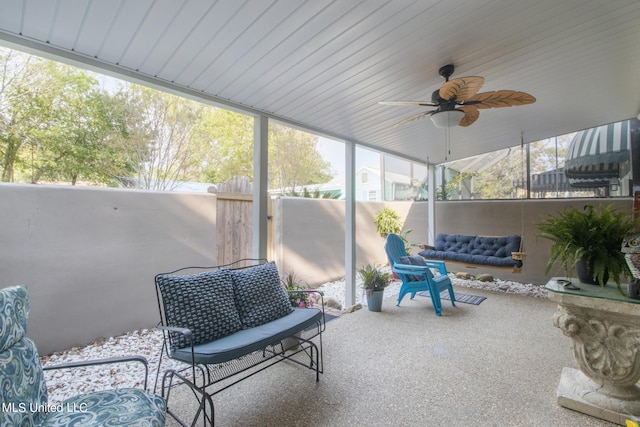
(578, 392)
(604, 327)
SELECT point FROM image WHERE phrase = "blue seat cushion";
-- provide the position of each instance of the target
(120, 407)
(248, 340)
(499, 247)
(458, 243)
(494, 251)
(259, 294)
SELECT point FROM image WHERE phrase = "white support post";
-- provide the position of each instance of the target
(260, 185)
(431, 204)
(383, 184)
(350, 225)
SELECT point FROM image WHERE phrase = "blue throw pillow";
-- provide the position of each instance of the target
(202, 302)
(415, 260)
(260, 297)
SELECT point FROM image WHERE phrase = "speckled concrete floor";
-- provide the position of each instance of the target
(496, 364)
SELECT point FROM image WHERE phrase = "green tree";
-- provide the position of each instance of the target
(496, 181)
(55, 123)
(549, 154)
(162, 130)
(19, 107)
(294, 161)
(315, 194)
(80, 139)
(226, 150)
(225, 145)
(453, 185)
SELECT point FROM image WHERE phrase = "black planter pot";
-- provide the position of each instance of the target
(583, 271)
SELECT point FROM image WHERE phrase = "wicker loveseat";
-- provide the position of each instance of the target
(227, 323)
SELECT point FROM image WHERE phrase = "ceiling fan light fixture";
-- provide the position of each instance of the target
(447, 119)
(462, 92)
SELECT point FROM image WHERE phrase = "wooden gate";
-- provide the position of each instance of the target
(234, 220)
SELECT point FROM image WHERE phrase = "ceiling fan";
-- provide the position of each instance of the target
(458, 101)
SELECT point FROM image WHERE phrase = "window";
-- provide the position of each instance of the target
(594, 162)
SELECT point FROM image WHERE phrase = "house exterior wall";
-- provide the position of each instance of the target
(367, 185)
(89, 256)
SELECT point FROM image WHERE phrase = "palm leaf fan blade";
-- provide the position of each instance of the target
(413, 118)
(409, 103)
(462, 88)
(501, 98)
(471, 114)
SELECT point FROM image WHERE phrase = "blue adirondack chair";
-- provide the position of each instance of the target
(415, 273)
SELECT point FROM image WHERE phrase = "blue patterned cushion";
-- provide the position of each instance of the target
(260, 297)
(21, 378)
(121, 407)
(14, 303)
(202, 302)
(22, 385)
(23, 391)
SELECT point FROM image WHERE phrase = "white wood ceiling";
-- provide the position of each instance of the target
(325, 64)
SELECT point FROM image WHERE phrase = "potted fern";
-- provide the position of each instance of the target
(374, 281)
(588, 240)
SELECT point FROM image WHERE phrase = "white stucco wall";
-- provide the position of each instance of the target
(310, 232)
(89, 256)
(309, 235)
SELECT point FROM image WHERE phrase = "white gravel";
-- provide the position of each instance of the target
(65, 383)
(69, 382)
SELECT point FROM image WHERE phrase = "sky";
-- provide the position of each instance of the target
(333, 152)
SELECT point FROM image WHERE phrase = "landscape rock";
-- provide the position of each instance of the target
(354, 307)
(332, 303)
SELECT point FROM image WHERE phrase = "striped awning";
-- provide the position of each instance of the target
(553, 180)
(594, 155)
